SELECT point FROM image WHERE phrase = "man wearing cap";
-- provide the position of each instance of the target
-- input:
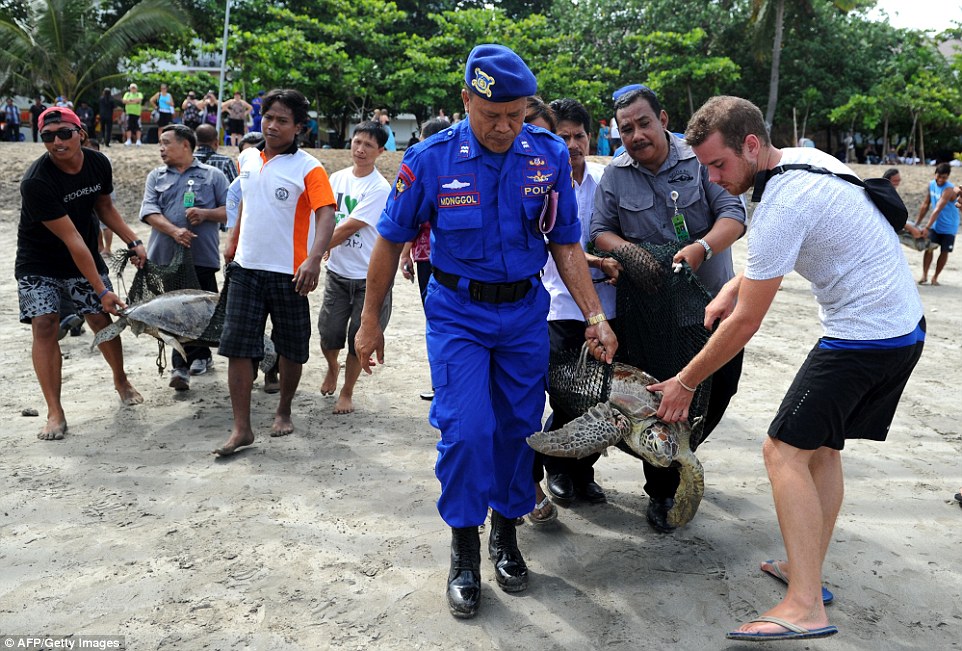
(492, 188)
(133, 104)
(63, 193)
(185, 204)
(657, 192)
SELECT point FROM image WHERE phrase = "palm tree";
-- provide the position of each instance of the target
(768, 16)
(61, 48)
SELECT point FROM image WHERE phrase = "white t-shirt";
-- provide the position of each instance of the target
(281, 196)
(357, 198)
(615, 134)
(563, 307)
(830, 232)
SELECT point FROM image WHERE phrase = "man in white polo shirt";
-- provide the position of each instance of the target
(285, 222)
(361, 193)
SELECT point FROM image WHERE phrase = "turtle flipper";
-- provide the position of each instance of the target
(110, 332)
(592, 432)
(691, 489)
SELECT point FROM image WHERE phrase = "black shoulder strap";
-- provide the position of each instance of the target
(761, 179)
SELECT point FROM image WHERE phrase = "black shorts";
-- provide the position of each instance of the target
(133, 122)
(945, 240)
(844, 394)
(252, 295)
(236, 127)
(163, 119)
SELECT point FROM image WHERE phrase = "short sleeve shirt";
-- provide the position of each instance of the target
(362, 199)
(48, 193)
(830, 232)
(485, 209)
(637, 205)
(164, 193)
(137, 106)
(277, 217)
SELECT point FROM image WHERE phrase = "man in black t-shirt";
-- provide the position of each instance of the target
(35, 110)
(63, 192)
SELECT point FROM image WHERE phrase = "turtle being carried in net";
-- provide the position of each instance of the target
(628, 416)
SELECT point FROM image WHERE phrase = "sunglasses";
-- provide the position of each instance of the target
(63, 133)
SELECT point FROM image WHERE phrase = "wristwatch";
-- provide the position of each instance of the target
(708, 252)
(597, 318)
(134, 244)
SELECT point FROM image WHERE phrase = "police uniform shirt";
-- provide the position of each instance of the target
(484, 208)
(164, 193)
(636, 204)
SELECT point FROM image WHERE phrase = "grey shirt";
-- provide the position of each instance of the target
(164, 193)
(637, 205)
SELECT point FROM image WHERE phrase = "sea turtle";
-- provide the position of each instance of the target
(629, 415)
(175, 318)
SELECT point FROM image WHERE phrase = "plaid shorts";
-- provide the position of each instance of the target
(252, 295)
(40, 295)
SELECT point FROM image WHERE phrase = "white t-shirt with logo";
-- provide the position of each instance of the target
(357, 198)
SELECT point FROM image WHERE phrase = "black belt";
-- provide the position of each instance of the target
(487, 292)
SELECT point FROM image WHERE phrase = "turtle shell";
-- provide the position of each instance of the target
(183, 313)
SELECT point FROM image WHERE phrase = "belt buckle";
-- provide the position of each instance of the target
(474, 290)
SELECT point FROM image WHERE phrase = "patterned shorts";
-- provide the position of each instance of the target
(40, 295)
(252, 295)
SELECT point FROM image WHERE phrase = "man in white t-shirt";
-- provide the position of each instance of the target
(361, 193)
(851, 382)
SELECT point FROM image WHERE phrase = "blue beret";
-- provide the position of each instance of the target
(497, 74)
(624, 90)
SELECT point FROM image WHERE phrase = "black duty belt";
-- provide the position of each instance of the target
(487, 292)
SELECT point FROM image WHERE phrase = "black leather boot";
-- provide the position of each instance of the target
(464, 579)
(509, 567)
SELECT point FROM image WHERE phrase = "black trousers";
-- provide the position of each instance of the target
(208, 282)
(565, 336)
(663, 482)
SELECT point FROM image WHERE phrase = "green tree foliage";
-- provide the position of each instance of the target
(60, 48)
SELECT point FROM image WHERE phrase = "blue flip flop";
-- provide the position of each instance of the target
(791, 632)
(776, 572)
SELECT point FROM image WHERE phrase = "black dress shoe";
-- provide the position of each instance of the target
(510, 569)
(561, 487)
(464, 579)
(657, 513)
(591, 492)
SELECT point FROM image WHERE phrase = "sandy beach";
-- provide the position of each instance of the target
(330, 539)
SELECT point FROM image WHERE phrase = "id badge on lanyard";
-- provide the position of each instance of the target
(678, 221)
(189, 195)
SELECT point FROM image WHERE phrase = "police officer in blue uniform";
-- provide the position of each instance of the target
(493, 188)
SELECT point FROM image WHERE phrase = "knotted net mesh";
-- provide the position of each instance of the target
(660, 328)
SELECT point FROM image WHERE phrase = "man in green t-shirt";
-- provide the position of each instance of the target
(133, 104)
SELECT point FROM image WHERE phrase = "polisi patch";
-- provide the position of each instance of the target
(537, 162)
(482, 82)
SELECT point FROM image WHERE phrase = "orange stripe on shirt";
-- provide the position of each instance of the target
(317, 193)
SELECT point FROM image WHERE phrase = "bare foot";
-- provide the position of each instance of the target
(924, 281)
(344, 404)
(236, 440)
(329, 385)
(283, 425)
(54, 430)
(129, 395)
(935, 283)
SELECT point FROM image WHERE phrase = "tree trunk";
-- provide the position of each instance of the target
(885, 140)
(911, 143)
(921, 144)
(691, 102)
(776, 62)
